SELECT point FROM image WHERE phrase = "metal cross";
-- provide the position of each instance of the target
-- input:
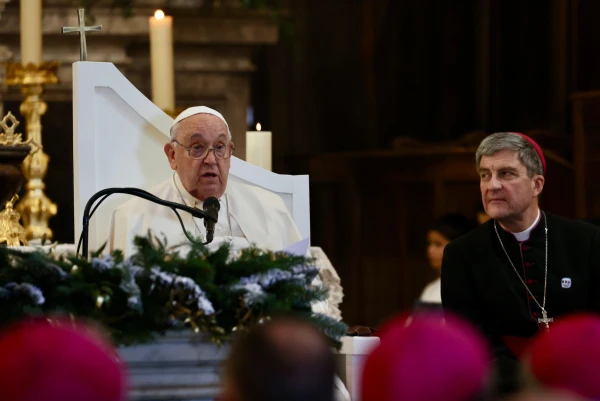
(545, 320)
(82, 29)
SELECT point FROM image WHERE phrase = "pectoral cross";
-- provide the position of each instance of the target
(82, 29)
(545, 320)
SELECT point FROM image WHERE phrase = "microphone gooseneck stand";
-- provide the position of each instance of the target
(105, 193)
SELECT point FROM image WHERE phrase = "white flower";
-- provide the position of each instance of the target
(196, 296)
(305, 269)
(253, 293)
(186, 283)
(129, 285)
(254, 279)
(272, 277)
(133, 302)
(105, 263)
(160, 277)
(233, 255)
(205, 306)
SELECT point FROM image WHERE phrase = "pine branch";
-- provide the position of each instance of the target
(157, 289)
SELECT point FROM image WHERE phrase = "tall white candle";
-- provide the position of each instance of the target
(161, 61)
(31, 31)
(258, 148)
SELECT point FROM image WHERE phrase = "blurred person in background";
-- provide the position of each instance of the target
(444, 230)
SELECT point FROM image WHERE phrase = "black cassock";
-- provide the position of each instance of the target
(479, 283)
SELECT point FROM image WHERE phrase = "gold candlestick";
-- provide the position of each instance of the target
(35, 208)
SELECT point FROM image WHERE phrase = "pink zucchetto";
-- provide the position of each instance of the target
(58, 361)
(426, 358)
(536, 147)
(567, 357)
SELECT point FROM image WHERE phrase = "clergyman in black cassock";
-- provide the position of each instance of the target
(506, 273)
(479, 283)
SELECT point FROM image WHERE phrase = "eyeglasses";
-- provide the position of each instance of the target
(197, 151)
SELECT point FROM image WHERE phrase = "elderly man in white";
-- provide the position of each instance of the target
(199, 153)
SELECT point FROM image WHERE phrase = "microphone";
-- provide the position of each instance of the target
(140, 193)
(211, 208)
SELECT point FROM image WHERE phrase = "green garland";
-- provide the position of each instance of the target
(157, 289)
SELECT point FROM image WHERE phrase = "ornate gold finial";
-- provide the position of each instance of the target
(35, 207)
(11, 231)
(9, 137)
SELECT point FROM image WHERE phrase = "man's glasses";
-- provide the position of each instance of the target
(197, 151)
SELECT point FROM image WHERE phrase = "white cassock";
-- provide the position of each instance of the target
(249, 215)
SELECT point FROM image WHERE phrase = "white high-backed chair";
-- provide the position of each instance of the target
(118, 139)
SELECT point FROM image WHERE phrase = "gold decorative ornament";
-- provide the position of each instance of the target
(12, 152)
(11, 231)
(35, 208)
(8, 137)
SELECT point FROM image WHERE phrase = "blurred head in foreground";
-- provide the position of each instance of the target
(58, 361)
(567, 357)
(283, 359)
(426, 357)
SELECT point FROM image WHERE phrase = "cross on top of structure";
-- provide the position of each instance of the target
(82, 29)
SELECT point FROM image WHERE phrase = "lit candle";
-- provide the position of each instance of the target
(31, 31)
(161, 61)
(258, 148)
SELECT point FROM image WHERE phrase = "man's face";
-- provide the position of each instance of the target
(507, 191)
(207, 177)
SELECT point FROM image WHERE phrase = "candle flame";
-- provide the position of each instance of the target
(258, 126)
(159, 14)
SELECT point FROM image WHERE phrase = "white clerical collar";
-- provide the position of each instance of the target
(524, 235)
(188, 198)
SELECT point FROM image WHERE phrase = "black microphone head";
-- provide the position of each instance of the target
(211, 208)
(211, 203)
